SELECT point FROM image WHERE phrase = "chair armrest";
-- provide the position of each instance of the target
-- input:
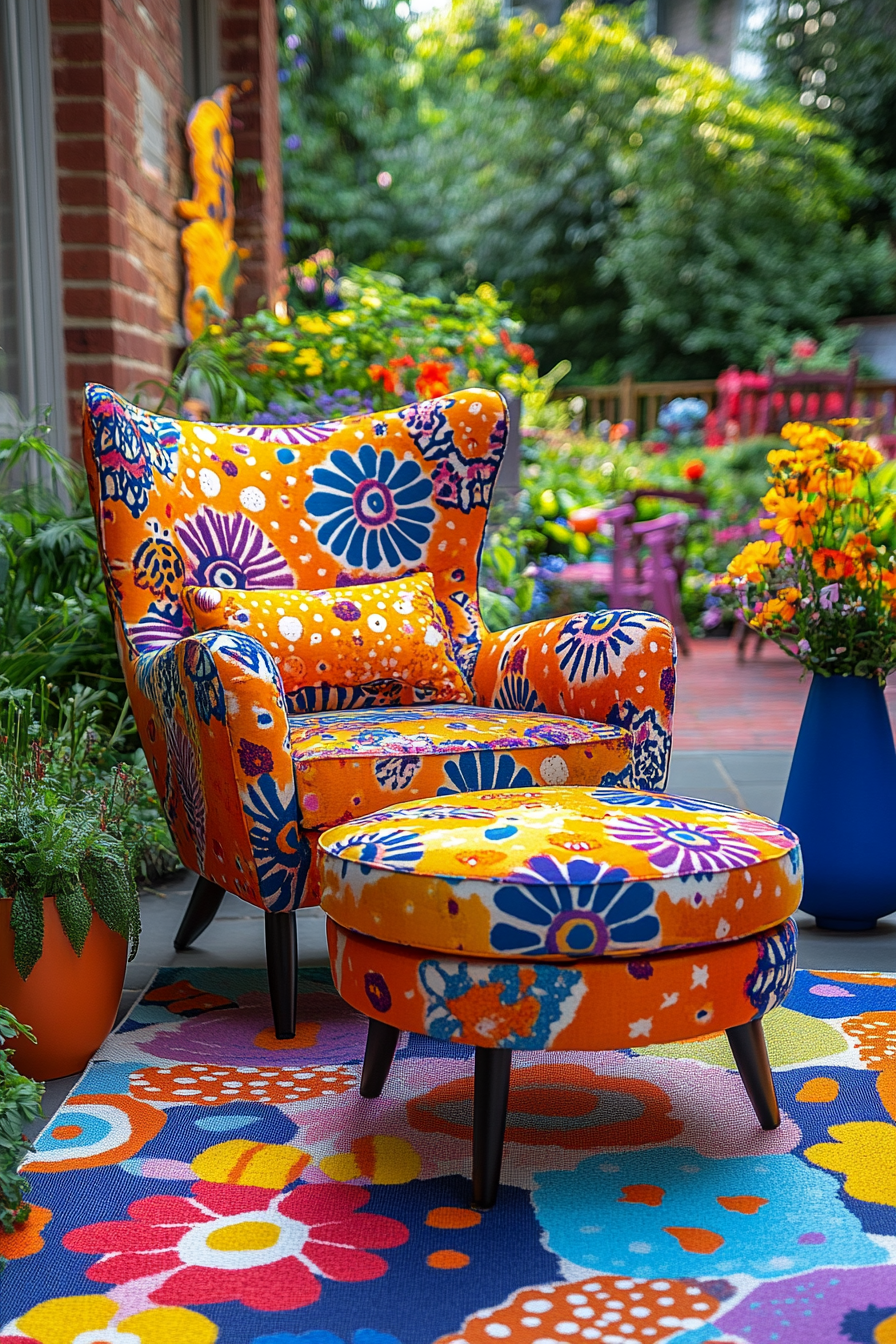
(607, 666)
(217, 741)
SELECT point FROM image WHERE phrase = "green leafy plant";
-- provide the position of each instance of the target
(19, 1105)
(364, 344)
(61, 834)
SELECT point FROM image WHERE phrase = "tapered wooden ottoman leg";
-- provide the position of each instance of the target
(282, 955)
(751, 1057)
(207, 897)
(381, 1042)
(491, 1084)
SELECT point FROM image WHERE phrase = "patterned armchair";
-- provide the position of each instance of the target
(250, 775)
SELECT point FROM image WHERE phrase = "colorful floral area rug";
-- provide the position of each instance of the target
(207, 1182)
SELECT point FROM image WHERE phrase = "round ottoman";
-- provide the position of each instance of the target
(560, 919)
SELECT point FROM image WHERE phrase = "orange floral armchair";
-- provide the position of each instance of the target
(250, 774)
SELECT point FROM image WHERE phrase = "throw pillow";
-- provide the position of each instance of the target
(362, 635)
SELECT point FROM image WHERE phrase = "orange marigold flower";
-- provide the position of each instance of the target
(380, 374)
(402, 362)
(755, 556)
(888, 578)
(860, 550)
(433, 379)
(854, 455)
(257, 368)
(694, 469)
(794, 518)
(831, 564)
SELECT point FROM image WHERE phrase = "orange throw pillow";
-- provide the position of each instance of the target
(346, 637)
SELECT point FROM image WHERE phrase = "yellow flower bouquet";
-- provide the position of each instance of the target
(820, 587)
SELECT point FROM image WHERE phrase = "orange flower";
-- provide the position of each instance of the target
(832, 565)
(860, 549)
(888, 578)
(755, 556)
(694, 469)
(433, 379)
(380, 374)
(794, 518)
(257, 368)
(401, 362)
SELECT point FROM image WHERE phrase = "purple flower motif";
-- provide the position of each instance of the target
(640, 968)
(667, 686)
(255, 759)
(229, 468)
(227, 550)
(347, 611)
(682, 847)
(165, 623)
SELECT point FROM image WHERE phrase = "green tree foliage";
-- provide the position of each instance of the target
(640, 210)
(838, 57)
(734, 239)
(345, 95)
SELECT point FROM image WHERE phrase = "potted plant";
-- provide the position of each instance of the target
(823, 587)
(19, 1105)
(69, 910)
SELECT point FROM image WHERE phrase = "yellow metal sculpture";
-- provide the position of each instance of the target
(211, 256)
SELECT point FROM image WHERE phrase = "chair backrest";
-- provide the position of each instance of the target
(303, 506)
(817, 394)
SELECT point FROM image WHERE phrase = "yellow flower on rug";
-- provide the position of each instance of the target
(61, 1320)
(865, 1150)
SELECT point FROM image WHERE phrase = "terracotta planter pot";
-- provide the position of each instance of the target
(69, 1001)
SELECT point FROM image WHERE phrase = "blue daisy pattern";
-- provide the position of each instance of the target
(282, 854)
(544, 997)
(476, 770)
(771, 979)
(399, 851)
(576, 909)
(373, 510)
(517, 692)
(633, 798)
(129, 447)
(596, 644)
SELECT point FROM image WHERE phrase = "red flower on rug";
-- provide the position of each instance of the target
(241, 1243)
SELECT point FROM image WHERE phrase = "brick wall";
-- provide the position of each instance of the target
(121, 261)
(249, 57)
(120, 253)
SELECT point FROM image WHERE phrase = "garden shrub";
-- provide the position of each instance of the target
(19, 1105)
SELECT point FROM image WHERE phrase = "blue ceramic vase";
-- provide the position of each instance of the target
(841, 802)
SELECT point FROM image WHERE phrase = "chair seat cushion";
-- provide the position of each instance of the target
(560, 872)
(358, 761)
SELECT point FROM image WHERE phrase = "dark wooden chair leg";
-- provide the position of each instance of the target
(207, 897)
(751, 1057)
(381, 1042)
(282, 954)
(491, 1084)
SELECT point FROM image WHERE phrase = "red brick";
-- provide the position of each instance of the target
(80, 118)
(86, 190)
(79, 12)
(87, 228)
(93, 302)
(82, 45)
(78, 81)
(89, 340)
(81, 155)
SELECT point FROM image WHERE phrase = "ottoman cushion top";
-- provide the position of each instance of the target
(559, 872)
